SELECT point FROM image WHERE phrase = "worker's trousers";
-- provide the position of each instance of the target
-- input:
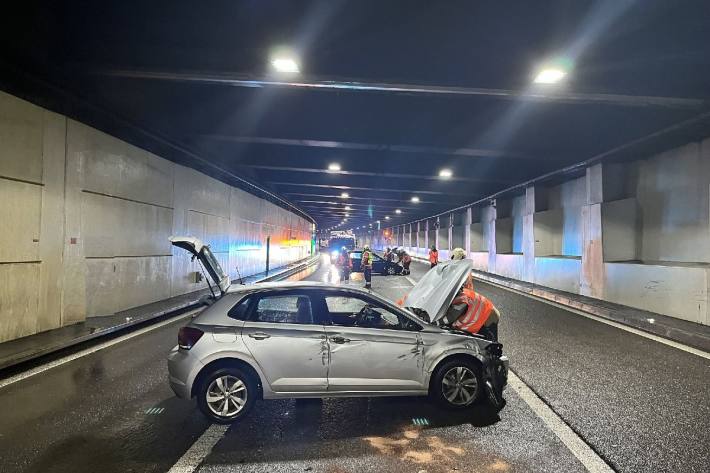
(368, 275)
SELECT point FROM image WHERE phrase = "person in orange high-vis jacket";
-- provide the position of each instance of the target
(472, 312)
(480, 315)
(433, 256)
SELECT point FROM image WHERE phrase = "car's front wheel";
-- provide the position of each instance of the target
(391, 270)
(226, 394)
(457, 384)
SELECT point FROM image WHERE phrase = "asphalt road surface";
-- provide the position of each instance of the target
(635, 404)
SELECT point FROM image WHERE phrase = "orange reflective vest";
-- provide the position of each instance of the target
(433, 257)
(479, 309)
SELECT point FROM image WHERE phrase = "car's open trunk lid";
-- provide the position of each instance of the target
(437, 289)
(202, 252)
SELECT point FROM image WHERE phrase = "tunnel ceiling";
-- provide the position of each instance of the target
(393, 92)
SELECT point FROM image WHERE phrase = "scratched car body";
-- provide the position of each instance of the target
(305, 340)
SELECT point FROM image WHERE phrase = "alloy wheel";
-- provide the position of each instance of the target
(459, 386)
(226, 396)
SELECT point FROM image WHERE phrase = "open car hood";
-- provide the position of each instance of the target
(437, 289)
(202, 252)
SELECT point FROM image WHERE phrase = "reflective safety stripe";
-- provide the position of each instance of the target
(479, 309)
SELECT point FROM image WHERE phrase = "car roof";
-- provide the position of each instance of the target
(295, 285)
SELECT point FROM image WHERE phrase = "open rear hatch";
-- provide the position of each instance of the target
(202, 252)
(431, 297)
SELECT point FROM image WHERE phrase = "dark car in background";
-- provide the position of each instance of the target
(379, 265)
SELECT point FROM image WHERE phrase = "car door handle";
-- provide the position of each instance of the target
(339, 340)
(259, 335)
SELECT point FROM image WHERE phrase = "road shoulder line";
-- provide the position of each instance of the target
(574, 443)
(199, 450)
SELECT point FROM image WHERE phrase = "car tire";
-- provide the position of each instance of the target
(230, 385)
(391, 270)
(457, 384)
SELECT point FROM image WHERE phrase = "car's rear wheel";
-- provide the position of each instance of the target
(226, 395)
(391, 270)
(457, 384)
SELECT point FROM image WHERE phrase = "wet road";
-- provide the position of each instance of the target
(641, 405)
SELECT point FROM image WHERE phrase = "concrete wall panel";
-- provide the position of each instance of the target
(21, 132)
(116, 168)
(558, 273)
(676, 291)
(19, 300)
(20, 203)
(674, 202)
(115, 284)
(510, 266)
(620, 230)
(117, 227)
(480, 260)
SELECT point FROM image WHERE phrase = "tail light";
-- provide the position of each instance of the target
(188, 336)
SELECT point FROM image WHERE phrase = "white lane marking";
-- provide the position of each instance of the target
(579, 448)
(635, 331)
(412, 281)
(89, 351)
(200, 449)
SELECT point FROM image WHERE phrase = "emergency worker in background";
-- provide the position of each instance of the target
(344, 264)
(433, 256)
(405, 259)
(389, 255)
(367, 258)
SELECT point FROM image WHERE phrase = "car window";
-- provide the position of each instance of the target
(240, 310)
(355, 255)
(353, 311)
(285, 309)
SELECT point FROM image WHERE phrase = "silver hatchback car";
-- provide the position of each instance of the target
(306, 340)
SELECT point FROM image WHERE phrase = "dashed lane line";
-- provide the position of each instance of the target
(579, 448)
(89, 351)
(635, 331)
(199, 450)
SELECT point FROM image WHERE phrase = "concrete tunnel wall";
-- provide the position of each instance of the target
(635, 233)
(86, 219)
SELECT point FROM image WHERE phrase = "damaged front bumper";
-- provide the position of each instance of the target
(495, 374)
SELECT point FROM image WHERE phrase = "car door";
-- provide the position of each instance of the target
(372, 349)
(287, 341)
(378, 264)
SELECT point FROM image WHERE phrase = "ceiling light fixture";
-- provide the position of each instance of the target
(398, 211)
(415, 199)
(334, 167)
(285, 64)
(550, 76)
(445, 173)
(344, 195)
